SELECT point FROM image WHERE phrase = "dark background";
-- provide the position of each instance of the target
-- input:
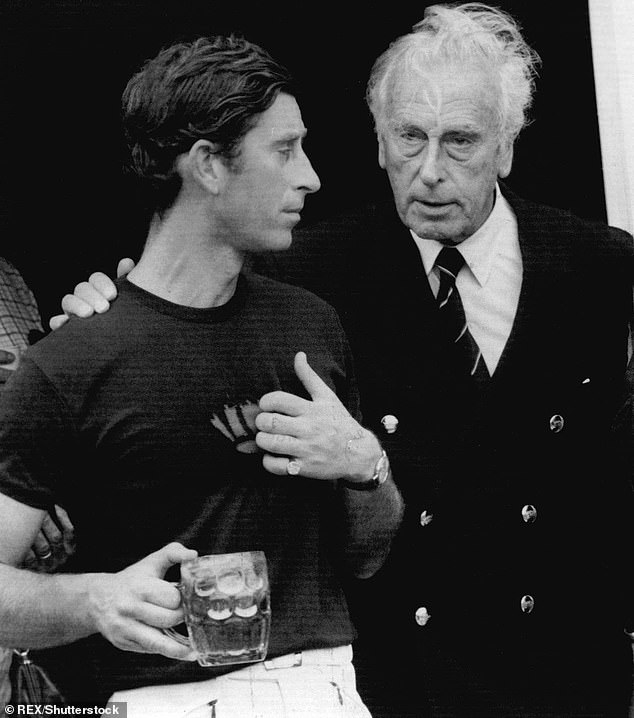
(65, 210)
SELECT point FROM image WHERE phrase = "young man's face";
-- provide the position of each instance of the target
(263, 196)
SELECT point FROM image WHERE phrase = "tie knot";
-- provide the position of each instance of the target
(450, 260)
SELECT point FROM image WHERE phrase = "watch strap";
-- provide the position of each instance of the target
(379, 477)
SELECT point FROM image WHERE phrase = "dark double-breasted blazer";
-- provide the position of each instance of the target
(509, 578)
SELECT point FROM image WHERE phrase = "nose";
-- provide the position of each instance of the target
(307, 178)
(431, 168)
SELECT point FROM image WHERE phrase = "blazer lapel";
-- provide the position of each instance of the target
(543, 293)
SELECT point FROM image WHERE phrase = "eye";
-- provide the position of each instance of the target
(411, 135)
(286, 152)
(409, 139)
(460, 141)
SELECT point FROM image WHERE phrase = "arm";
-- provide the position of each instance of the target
(129, 607)
(325, 442)
(37, 450)
(372, 519)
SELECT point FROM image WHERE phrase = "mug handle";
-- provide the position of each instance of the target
(176, 636)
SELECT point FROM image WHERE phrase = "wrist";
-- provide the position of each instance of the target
(369, 482)
(362, 454)
(91, 594)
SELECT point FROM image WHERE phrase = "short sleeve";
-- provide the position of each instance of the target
(36, 438)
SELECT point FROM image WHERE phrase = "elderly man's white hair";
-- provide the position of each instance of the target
(471, 34)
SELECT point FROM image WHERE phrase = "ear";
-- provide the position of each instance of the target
(505, 152)
(205, 166)
(381, 142)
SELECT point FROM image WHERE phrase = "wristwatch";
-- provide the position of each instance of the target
(381, 472)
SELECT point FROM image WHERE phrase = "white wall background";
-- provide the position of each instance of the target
(612, 30)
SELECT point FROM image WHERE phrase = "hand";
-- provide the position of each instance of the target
(92, 296)
(54, 543)
(6, 357)
(319, 434)
(131, 607)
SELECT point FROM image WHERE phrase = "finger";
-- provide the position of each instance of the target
(147, 639)
(158, 616)
(277, 423)
(284, 403)
(58, 321)
(87, 293)
(51, 531)
(41, 546)
(161, 593)
(103, 284)
(278, 444)
(6, 357)
(125, 266)
(76, 307)
(63, 519)
(159, 561)
(311, 381)
(67, 528)
(275, 464)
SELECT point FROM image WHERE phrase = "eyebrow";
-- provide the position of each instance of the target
(291, 136)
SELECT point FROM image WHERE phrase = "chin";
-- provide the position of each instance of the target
(428, 230)
(444, 232)
(275, 243)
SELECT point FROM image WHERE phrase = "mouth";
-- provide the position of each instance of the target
(290, 217)
(292, 214)
(433, 207)
(432, 204)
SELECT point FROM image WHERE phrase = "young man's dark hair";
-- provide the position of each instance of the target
(211, 88)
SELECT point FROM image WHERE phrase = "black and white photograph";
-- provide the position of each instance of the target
(315, 379)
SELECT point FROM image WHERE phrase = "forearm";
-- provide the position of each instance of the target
(43, 610)
(371, 520)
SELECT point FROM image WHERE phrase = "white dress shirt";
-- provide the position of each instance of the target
(490, 282)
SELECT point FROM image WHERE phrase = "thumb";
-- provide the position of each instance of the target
(311, 381)
(158, 562)
(125, 266)
(57, 321)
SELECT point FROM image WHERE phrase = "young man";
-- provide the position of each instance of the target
(509, 587)
(211, 409)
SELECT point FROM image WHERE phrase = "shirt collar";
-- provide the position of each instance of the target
(480, 249)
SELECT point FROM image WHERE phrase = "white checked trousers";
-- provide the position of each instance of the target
(311, 684)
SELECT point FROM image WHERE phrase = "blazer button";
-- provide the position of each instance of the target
(390, 423)
(556, 423)
(426, 518)
(422, 616)
(527, 604)
(529, 514)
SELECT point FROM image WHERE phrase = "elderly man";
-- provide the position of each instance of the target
(490, 338)
(228, 442)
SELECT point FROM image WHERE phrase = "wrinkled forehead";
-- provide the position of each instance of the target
(435, 87)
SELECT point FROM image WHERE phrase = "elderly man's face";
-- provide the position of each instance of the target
(442, 151)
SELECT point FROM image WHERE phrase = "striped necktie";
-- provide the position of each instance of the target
(453, 322)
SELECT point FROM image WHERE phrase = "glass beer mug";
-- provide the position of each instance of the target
(227, 606)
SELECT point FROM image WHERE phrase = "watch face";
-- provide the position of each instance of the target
(382, 469)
